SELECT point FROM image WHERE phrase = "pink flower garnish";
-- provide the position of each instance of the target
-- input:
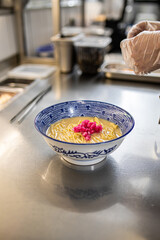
(87, 128)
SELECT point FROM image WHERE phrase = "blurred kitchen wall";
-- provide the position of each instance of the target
(8, 35)
(38, 25)
(147, 11)
(38, 21)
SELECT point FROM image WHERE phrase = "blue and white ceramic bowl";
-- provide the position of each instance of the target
(84, 154)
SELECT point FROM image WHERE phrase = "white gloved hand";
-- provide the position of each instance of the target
(143, 26)
(141, 50)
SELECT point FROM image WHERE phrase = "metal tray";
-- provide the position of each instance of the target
(10, 88)
(7, 95)
(15, 83)
(121, 71)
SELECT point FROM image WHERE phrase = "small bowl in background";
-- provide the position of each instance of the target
(90, 52)
(85, 154)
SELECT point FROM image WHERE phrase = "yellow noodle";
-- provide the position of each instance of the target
(63, 130)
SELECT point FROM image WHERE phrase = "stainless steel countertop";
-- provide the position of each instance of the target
(42, 199)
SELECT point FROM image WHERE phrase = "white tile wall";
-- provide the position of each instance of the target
(39, 26)
(38, 29)
(8, 37)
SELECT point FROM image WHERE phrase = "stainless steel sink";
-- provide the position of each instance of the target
(15, 83)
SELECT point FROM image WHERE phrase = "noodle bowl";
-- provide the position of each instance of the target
(82, 152)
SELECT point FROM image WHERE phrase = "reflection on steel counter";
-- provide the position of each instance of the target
(41, 198)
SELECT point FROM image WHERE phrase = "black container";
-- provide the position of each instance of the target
(90, 52)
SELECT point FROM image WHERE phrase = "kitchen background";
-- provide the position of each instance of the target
(40, 197)
(39, 24)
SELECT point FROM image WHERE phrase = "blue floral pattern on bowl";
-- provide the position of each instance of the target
(81, 155)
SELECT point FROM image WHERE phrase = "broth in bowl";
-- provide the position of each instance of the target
(84, 130)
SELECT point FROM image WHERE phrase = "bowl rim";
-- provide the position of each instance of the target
(84, 144)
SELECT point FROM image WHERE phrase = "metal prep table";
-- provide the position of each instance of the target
(42, 199)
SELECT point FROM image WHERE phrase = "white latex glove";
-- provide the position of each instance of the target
(141, 50)
(143, 26)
